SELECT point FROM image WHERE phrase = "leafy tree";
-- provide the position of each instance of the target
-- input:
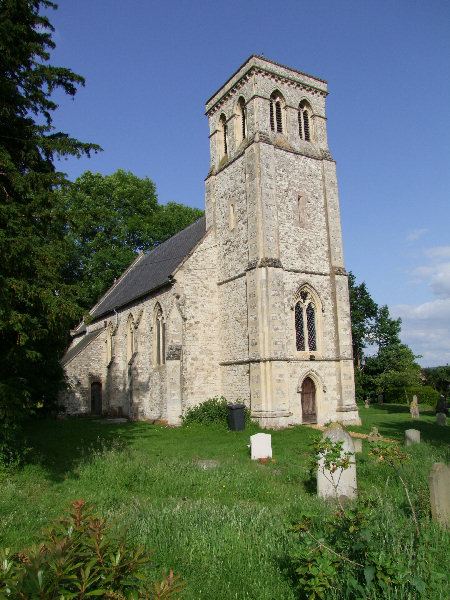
(438, 378)
(110, 218)
(36, 305)
(393, 364)
(364, 312)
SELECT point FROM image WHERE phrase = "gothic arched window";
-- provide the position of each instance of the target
(109, 344)
(304, 121)
(159, 337)
(276, 112)
(305, 322)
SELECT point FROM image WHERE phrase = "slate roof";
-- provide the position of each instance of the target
(85, 341)
(151, 271)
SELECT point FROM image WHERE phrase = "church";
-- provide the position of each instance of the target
(251, 301)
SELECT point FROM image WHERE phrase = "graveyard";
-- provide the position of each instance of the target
(229, 524)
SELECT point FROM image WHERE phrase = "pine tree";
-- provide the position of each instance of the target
(36, 307)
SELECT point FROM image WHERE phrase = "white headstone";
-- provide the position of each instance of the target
(414, 408)
(441, 418)
(343, 479)
(439, 482)
(412, 436)
(261, 446)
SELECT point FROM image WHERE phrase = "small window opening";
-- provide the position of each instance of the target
(160, 338)
(311, 325)
(299, 328)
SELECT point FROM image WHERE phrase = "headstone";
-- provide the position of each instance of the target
(439, 482)
(374, 436)
(412, 436)
(380, 399)
(441, 418)
(366, 403)
(261, 446)
(344, 479)
(357, 442)
(442, 406)
(414, 408)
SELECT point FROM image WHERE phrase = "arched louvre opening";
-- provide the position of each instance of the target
(276, 114)
(305, 320)
(304, 129)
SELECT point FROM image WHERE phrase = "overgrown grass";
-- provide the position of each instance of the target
(223, 524)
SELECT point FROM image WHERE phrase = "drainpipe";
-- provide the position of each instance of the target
(116, 315)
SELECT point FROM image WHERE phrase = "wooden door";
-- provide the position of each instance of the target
(309, 401)
(96, 398)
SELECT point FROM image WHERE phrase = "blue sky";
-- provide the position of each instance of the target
(151, 65)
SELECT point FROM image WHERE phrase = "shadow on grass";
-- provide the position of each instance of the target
(60, 446)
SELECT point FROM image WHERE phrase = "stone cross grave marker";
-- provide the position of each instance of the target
(343, 479)
(439, 482)
(414, 408)
(412, 436)
(357, 442)
(441, 418)
(261, 446)
(374, 436)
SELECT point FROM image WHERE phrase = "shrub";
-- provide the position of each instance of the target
(213, 410)
(80, 558)
(401, 395)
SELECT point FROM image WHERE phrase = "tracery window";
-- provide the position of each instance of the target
(305, 322)
(159, 337)
(276, 114)
(304, 121)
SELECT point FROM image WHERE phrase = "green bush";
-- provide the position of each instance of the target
(401, 395)
(213, 410)
(80, 558)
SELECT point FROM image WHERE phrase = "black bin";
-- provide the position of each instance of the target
(236, 417)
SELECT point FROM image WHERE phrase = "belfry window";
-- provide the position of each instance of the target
(160, 337)
(222, 145)
(304, 117)
(305, 323)
(276, 114)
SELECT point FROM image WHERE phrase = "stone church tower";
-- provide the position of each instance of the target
(272, 201)
(250, 302)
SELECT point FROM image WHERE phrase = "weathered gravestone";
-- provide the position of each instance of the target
(341, 482)
(442, 406)
(441, 418)
(439, 482)
(374, 436)
(414, 408)
(261, 446)
(380, 398)
(412, 436)
(366, 403)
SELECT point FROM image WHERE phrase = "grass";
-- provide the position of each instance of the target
(226, 528)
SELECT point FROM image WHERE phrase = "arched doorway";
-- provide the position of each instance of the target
(96, 398)
(308, 401)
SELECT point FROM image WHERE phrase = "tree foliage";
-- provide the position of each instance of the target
(393, 363)
(439, 378)
(109, 219)
(36, 304)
